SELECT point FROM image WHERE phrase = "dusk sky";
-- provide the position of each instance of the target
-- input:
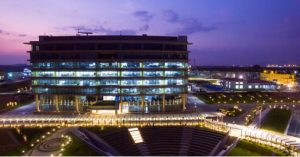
(223, 32)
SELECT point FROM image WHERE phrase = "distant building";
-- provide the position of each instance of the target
(219, 72)
(14, 75)
(104, 74)
(285, 79)
(26, 72)
(247, 85)
(14, 72)
(2, 75)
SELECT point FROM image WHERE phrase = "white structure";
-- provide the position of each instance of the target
(241, 84)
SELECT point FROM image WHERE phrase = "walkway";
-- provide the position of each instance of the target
(280, 141)
(294, 127)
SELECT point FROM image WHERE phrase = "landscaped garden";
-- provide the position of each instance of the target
(9, 102)
(277, 120)
(28, 137)
(248, 97)
(232, 112)
(247, 148)
(78, 148)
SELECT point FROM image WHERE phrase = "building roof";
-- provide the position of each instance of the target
(245, 69)
(260, 81)
(248, 81)
(182, 39)
(233, 79)
(13, 68)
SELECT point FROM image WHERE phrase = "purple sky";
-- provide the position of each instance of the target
(223, 32)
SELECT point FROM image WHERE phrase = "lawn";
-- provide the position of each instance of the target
(79, 148)
(247, 148)
(32, 134)
(248, 97)
(15, 86)
(277, 120)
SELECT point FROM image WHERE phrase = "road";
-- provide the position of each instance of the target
(13, 81)
(193, 101)
(22, 110)
(259, 119)
(294, 127)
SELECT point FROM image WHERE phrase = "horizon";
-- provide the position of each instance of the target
(223, 33)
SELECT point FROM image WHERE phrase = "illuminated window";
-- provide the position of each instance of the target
(131, 82)
(131, 73)
(108, 73)
(130, 65)
(172, 73)
(175, 65)
(130, 90)
(153, 73)
(65, 74)
(153, 82)
(153, 65)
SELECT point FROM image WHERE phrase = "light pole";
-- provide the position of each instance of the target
(260, 116)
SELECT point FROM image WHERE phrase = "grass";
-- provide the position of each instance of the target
(247, 148)
(15, 86)
(32, 134)
(79, 148)
(277, 120)
(21, 99)
(248, 97)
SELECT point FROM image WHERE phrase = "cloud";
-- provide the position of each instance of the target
(144, 27)
(187, 26)
(192, 25)
(101, 29)
(8, 33)
(170, 16)
(22, 35)
(143, 15)
(4, 32)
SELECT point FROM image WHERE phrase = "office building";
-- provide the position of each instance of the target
(109, 74)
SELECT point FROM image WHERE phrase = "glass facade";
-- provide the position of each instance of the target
(135, 82)
(122, 77)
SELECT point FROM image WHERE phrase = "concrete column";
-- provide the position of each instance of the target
(56, 103)
(142, 103)
(37, 103)
(121, 105)
(77, 104)
(184, 99)
(164, 103)
(42, 101)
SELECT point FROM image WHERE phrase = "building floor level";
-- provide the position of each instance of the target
(110, 104)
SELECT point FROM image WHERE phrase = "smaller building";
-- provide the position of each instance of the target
(285, 79)
(261, 85)
(2, 75)
(247, 85)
